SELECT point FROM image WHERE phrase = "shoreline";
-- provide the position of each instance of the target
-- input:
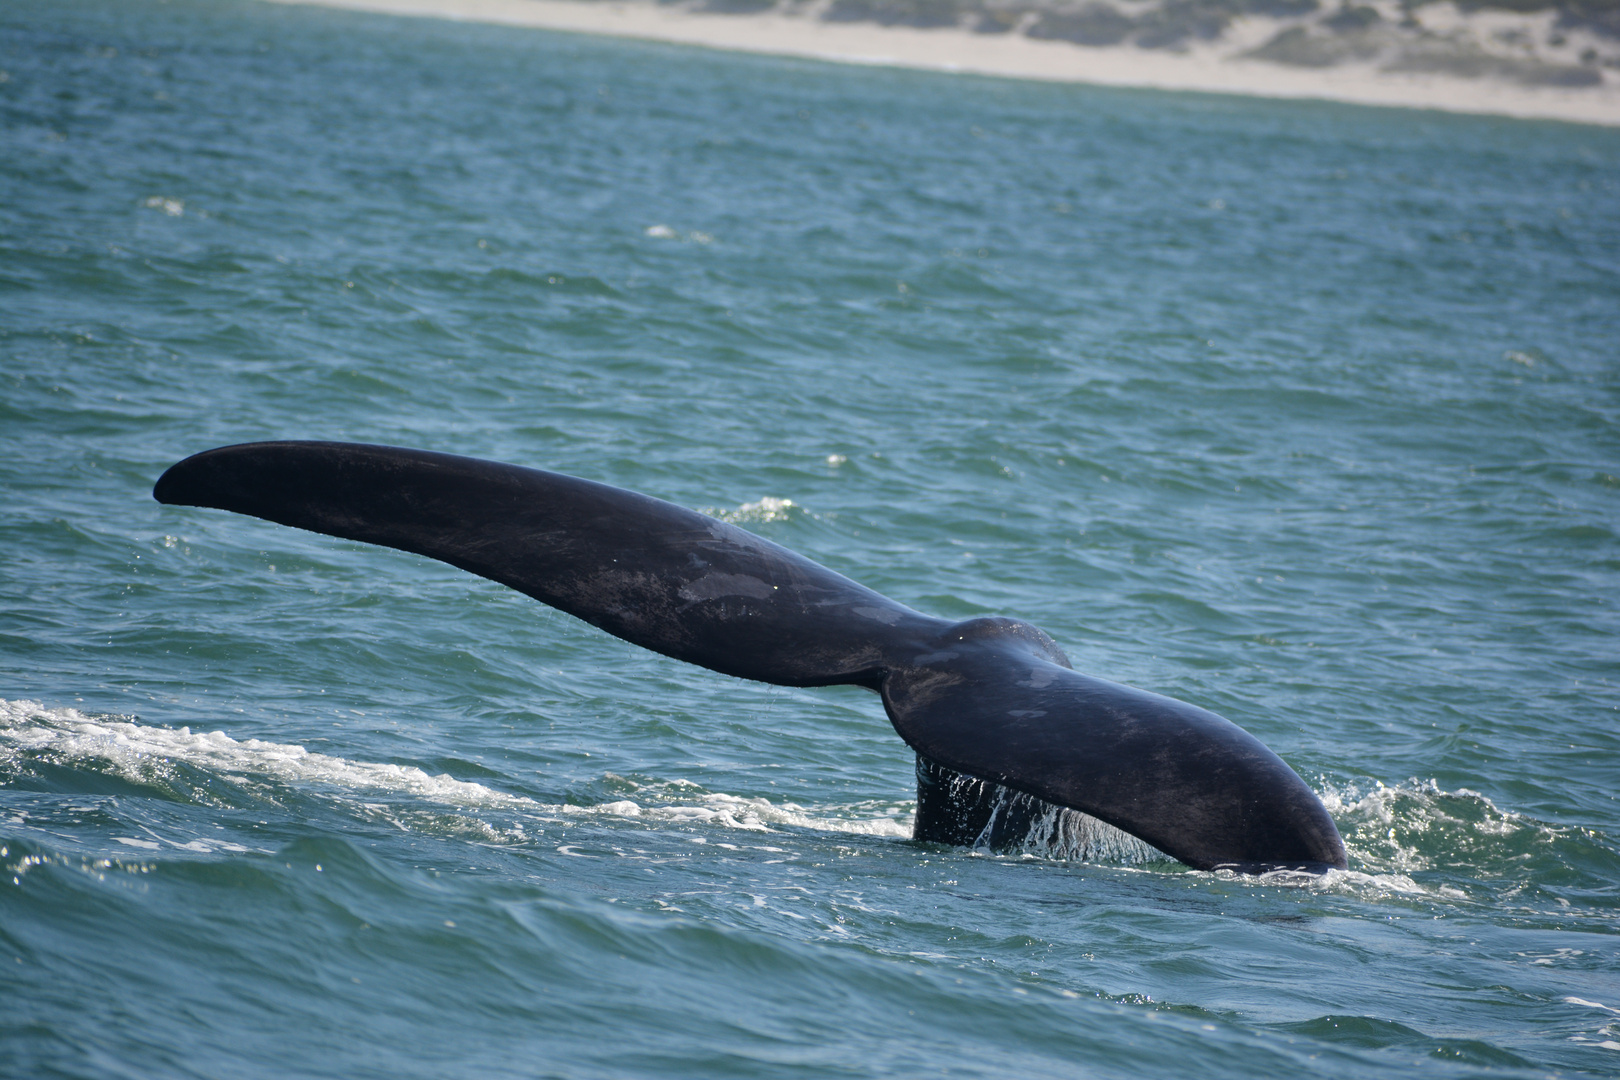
(1201, 68)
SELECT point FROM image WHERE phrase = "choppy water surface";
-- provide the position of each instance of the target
(1304, 413)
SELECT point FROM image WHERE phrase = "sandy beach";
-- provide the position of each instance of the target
(1226, 65)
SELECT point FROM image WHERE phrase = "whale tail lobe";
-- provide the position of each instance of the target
(661, 576)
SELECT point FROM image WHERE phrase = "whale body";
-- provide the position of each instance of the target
(1005, 730)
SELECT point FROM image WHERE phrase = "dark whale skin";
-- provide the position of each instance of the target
(991, 698)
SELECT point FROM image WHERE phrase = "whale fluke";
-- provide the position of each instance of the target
(991, 698)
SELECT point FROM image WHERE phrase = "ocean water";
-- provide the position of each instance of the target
(1306, 413)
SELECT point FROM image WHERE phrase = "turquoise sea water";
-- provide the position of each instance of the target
(1305, 413)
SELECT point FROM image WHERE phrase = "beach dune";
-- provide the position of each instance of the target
(1544, 64)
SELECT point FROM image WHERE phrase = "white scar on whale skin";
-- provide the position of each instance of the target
(714, 586)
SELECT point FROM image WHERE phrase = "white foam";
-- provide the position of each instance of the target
(748, 814)
(664, 232)
(143, 754)
(1591, 1004)
(1359, 882)
(172, 207)
(1381, 826)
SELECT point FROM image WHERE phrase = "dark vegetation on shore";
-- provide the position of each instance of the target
(1313, 33)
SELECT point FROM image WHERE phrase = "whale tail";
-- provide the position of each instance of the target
(991, 698)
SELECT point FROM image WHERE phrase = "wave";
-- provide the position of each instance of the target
(1453, 840)
(144, 754)
(157, 756)
(1417, 826)
(659, 803)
